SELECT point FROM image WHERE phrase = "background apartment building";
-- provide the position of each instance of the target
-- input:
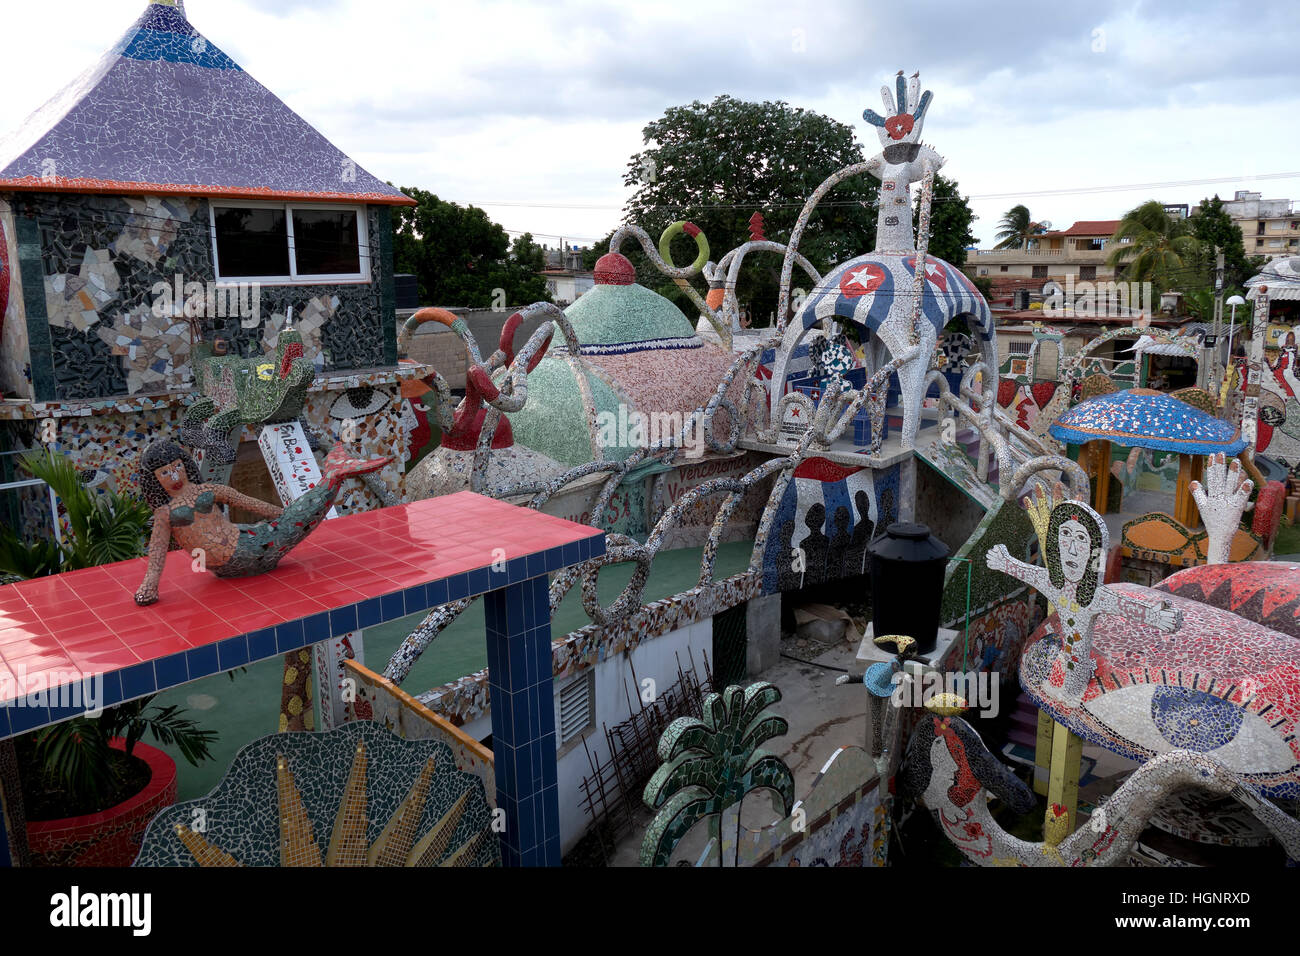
(1269, 227)
(1079, 251)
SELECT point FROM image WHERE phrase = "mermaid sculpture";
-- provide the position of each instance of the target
(949, 771)
(1075, 548)
(186, 510)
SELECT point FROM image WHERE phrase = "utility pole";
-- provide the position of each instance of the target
(1209, 373)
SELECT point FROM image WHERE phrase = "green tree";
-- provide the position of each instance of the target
(1215, 230)
(461, 257)
(527, 253)
(1152, 246)
(950, 222)
(102, 528)
(1017, 227)
(718, 163)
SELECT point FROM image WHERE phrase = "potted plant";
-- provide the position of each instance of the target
(89, 785)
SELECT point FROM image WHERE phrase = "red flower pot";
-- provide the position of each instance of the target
(111, 837)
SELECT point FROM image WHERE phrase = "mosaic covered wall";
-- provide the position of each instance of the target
(102, 258)
(845, 821)
(380, 700)
(357, 795)
(999, 609)
(14, 374)
(1279, 408)
(107, 436)
(467, 699)
(828, 512)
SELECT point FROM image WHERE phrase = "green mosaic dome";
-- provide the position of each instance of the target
(622, 314)
(554, 422)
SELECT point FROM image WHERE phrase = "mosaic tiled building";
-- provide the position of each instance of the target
(166, 193)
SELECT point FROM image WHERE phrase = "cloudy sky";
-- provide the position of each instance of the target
(531, 110)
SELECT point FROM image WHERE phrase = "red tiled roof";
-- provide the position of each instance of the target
(1089, 227)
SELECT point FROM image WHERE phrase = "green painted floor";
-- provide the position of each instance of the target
(248, 706)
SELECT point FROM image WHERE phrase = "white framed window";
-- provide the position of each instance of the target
(277, 243)
(575, 708)
(1018, 348)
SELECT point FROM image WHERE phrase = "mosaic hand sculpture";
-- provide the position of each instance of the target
(187, 511)
(950, 772)
(1221, 501)
(239, 391)
(1038, 507)
(903, 160)
(712, 764)
(1076, 546)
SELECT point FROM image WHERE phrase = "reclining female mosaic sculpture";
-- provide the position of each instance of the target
(950, 772)
(187, 511)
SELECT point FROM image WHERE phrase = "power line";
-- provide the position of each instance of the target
(1063, 191)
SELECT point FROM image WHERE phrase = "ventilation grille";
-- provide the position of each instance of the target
(576, 707)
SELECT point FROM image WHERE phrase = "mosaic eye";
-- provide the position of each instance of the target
(1162, 718)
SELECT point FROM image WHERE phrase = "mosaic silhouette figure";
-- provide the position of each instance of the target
(789, 575)
(186, 511)
(855, 557)
(840, 541)
(816, 547)
(1075, 548)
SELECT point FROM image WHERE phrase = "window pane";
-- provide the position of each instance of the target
(325, 241)
(252, 241)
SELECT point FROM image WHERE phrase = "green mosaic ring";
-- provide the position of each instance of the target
(692, 230)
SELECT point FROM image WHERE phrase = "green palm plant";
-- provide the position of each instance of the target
(75, 758)
(1017, 227)
(712, 764)
(1152, 246)
(102, 528)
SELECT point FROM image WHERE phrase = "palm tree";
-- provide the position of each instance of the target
(1016, 229)
(102, 528)
(711, 764)
(1152, 246)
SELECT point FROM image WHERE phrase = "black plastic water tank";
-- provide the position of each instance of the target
(907, 568)
(406, 291)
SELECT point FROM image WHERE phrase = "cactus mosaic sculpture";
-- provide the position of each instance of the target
(711, 764)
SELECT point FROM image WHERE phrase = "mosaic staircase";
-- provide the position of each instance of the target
(1024, 723)
(969, 440)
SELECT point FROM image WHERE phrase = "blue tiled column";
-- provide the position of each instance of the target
(523, 721)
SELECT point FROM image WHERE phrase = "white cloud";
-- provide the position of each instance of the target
(525, 103)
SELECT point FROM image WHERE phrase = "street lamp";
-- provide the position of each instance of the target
(1235, 301)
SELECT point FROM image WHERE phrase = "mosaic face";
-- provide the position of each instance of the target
(1075, 549)
(172, 477)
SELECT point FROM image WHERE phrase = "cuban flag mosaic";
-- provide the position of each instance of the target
(829, 512)
(864, 289)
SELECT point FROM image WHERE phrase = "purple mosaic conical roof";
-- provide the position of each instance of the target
(166, 111)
